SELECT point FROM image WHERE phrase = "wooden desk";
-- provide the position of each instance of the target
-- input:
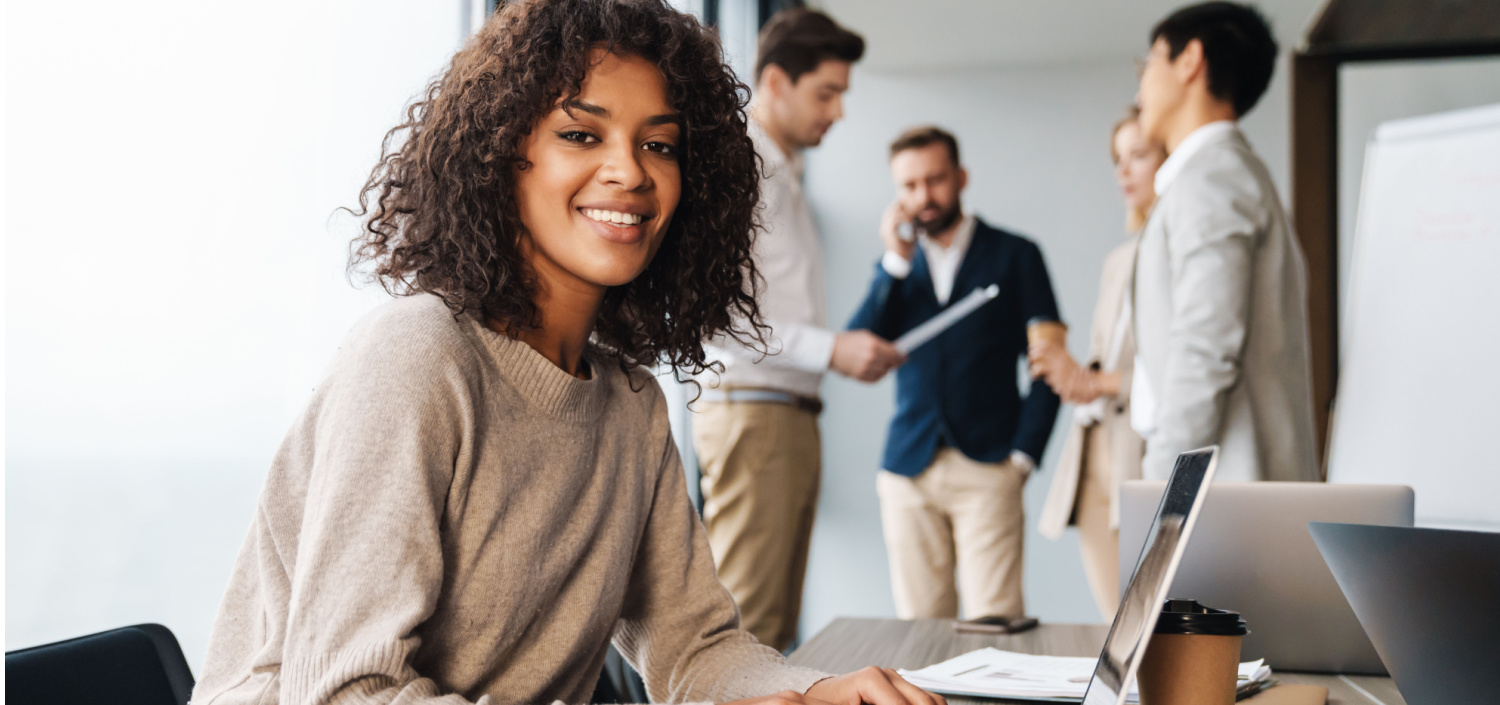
(850, 643)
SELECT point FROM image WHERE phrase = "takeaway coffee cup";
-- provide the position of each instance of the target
(1040, 331)
(1194, 656)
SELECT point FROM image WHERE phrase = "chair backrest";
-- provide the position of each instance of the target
(139, 665)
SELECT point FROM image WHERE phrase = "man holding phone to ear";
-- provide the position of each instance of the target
(964, 439)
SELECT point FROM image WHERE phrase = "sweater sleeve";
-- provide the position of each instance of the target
(680, 626)
(387, 430)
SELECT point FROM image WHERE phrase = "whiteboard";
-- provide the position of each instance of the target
(1419, 386)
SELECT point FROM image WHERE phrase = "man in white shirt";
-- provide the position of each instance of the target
(756, 430)
(1220, 283)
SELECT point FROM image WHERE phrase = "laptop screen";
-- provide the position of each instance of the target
(1148, 588)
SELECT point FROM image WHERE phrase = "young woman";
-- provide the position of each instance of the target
(483, 491)
(1102, 449)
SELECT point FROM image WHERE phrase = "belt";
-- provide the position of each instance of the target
(763, 396)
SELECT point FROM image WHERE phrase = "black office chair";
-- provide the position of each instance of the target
(619, 683)
(139, 665)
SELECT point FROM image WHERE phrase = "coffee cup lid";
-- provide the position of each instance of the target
(1180, 616)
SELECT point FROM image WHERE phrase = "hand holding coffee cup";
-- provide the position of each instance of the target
(1041, 332)
(1047, 350)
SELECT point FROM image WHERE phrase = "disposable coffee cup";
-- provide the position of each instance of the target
(1044, 332)
(1193, 657)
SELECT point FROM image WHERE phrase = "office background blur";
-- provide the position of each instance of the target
(174, 261)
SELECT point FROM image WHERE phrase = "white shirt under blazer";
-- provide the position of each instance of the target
(1221, 317)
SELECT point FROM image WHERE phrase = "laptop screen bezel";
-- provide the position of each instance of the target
(1141, 605)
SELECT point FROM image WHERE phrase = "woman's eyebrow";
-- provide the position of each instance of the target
(600, 111)
(665, 119)
(583, 106)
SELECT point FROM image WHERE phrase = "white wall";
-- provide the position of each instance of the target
(175, 278)
(1035, 141)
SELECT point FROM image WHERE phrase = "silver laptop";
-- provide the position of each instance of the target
(1252, 553)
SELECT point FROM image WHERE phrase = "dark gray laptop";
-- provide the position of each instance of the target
(1429, 599)
(1251, 553)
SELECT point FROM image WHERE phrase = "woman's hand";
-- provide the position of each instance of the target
(876, 686)
(785, 697)
(1052, 363)
(1071, 382)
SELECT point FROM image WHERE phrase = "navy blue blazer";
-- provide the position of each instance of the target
(961, 387)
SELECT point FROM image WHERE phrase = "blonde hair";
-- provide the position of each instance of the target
(1135, 216)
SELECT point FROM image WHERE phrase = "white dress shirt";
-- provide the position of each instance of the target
(794, 300)
(943, 264)
(1142, 397)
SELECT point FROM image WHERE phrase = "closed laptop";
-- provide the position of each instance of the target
(1252, 553)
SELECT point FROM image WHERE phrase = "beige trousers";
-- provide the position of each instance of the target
(959, 516)
(1099, 544)
(760, 465)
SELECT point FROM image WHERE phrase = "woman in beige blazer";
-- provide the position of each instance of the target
(1102, 450)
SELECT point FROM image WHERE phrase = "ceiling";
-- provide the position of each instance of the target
(928, 34)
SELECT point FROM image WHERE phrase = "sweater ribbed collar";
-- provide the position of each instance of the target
(545, 385)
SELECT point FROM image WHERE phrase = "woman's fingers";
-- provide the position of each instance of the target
(913, 694)
(878, 689)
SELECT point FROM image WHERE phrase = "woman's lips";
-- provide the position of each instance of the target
(617, 232)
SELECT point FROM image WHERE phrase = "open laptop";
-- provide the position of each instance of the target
(1171, 525)
(1430, 600)
(1251, 553)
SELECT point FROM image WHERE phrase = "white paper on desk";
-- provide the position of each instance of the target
(933, 327)
(992, 673)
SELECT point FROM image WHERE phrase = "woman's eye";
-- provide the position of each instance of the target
(578, 136)
(662, 148)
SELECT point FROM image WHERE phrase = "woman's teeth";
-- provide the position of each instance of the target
(617, 217)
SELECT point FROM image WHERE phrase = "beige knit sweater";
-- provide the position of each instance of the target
(454, 518)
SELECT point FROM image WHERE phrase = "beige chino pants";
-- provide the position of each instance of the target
(760, 464)
(958, 517)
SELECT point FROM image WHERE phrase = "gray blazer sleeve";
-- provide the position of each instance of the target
(1213, 226)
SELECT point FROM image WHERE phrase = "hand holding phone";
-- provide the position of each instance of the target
(897, 231)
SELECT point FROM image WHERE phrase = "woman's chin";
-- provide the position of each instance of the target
(614, 273)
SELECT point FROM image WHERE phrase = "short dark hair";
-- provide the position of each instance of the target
(1237, 44)
(799, 39)
(919, 137)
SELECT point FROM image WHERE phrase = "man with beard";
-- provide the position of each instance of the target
(964, 439)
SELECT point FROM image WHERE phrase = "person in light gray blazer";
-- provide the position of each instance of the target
(1220, 282)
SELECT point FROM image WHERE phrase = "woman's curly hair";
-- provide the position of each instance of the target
(444, 218)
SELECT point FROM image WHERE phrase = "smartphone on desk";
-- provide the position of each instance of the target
(996, 625)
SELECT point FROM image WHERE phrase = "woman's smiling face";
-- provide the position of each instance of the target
(603, 178)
